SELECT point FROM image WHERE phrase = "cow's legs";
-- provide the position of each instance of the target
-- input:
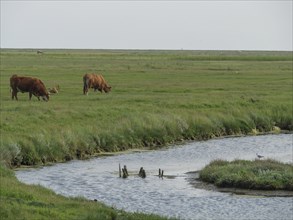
(85, 86)
(85, 89)
(30, 95)
(14, 94)
(37, 95)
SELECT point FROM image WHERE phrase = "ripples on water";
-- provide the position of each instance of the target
(174, 197)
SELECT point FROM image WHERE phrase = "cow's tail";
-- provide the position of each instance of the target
(85, 85)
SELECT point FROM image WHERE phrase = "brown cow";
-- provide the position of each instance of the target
(31, 85)
(97, 82)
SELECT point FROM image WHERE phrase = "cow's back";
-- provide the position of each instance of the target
(25, 84)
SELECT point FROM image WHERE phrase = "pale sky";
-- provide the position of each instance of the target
(174, 25)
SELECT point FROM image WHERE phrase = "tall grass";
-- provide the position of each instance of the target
(158, 98)
(259, 174)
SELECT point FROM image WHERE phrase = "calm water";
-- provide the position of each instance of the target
(174, 197)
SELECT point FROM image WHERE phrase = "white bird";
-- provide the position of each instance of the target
(259, 156)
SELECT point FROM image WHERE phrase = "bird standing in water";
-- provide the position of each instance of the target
(259, 156)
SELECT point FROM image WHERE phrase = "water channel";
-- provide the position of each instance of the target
(173, 197)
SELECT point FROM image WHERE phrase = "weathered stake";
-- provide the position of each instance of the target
(142, 173)
(125, 173)
(161, 173)
(119, 170)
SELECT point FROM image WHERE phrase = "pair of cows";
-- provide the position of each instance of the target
(36, 87)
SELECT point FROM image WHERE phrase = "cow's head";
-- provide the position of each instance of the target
(107, 89)
(45, 97)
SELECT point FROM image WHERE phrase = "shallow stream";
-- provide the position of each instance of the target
(172, 196)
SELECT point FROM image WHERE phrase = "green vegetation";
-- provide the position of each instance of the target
(157, 98)
(259, 174)
(19, 201)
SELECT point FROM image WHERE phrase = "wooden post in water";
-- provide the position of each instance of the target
(142, 173)
(120, 171)
(125, 173)
(161, 173)
(125, 168)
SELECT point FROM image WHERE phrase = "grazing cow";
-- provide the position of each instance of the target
(31, 85)
(97, 82)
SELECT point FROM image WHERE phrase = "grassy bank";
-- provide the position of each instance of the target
(19, 201)
(259, 174)
(157, 98)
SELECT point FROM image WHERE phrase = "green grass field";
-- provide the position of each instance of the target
(157, 98)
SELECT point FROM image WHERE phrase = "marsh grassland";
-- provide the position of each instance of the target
(157, 98)
(259, 174)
